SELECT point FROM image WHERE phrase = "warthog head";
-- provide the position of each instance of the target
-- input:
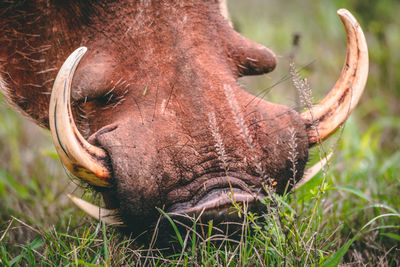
(146, 107)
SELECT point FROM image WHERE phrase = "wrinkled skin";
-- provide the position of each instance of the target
(158, 91)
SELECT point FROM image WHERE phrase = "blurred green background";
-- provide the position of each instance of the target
(33, 184)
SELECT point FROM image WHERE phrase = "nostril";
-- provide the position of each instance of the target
(93, 139)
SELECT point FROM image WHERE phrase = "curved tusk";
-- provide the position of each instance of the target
(104, 215)
(323, 119)
(311, 172)
(82, 159)
(223, 7)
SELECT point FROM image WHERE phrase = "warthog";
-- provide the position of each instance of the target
(146, 107)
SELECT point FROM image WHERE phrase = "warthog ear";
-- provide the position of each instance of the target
(31, 52)
(32, 103)
(26, 76)
(19, 101)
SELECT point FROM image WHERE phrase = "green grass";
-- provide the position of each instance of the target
(349, 213)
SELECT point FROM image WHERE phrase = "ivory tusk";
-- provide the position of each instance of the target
(324, 118)
(85, 161)
(107, 216)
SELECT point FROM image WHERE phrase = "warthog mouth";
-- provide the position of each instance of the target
(216, 198)
(218, 203)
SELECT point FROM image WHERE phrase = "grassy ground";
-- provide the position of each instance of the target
(350, 213)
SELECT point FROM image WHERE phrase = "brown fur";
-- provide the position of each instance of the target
(164, 73)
